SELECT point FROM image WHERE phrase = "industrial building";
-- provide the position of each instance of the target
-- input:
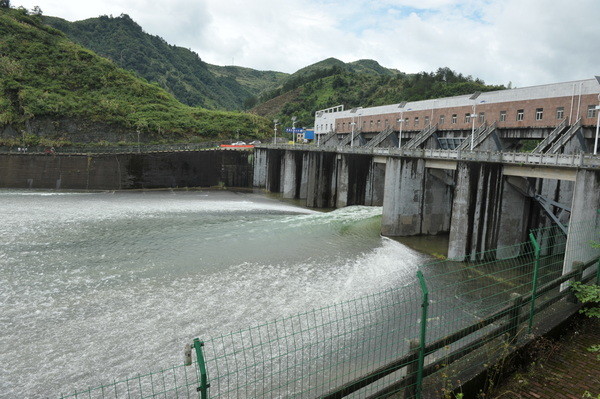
(561, 117)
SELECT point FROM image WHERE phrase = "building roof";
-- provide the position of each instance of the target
(564, 89)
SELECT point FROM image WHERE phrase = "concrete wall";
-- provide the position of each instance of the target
(585, 218)
(321, 180)
(476, 209)
(127, 171)
(374, 190)
(260, 168)
(274, 169)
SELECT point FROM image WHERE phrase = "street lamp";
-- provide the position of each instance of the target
(597, 124)
(293, 127)
(275, 123)
(353, 124)
(598, 121)
(401, 121)
(473, 116)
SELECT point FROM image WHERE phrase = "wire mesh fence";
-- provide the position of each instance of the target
(174, 382)
(113, 149)
(451, 319)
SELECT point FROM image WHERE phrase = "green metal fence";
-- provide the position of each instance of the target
(451, 319)
(116, 149)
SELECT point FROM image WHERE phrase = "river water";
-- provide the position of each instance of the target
(98, 286)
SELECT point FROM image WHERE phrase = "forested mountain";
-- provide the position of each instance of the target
(182, 73)
(178, 70)
(362, 83)
(44, 76)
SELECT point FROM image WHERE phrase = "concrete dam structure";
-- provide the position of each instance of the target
(484, 200)
(145, 170)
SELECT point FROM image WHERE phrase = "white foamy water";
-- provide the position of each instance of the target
(98, 286)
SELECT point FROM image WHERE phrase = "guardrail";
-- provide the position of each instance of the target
(132, 149)
(525, 158)
(393, 341)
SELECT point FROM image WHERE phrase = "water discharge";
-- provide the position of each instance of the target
(96, 286)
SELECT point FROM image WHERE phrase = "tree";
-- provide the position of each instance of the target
(4, 3)
(36, 11)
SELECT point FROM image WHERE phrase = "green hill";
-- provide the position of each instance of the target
(362, 83)
(54, 87)
(178, 70)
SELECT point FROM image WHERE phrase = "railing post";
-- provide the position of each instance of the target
(423, 333)
(536, 268)
(412, 370)
(204, 385)
(513, 315)
(578, 268)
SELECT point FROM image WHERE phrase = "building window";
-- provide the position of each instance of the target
(416, 121)
(442, 117)
(387, 123)
(454, 118)
(502, 116)
(406, 122)
(338, 126)
(560, 112)
(343, 126)
(591, 111)
(370, 123)
(520, 114)
(481, 117)
(426, 120)
(467, 118)
(539, 114)
(363, 124)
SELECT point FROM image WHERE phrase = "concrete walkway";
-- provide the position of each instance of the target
(564, 369)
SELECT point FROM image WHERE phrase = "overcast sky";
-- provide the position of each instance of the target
(526, 42)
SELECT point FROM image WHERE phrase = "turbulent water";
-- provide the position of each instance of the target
(97, 286)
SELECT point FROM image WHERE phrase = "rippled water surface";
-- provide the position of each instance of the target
(97, 286)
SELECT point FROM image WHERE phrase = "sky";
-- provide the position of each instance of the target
(524, 42)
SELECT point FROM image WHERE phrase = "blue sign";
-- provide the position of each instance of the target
(309, 134)
(294, 130)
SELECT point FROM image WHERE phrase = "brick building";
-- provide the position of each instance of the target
(523, 113)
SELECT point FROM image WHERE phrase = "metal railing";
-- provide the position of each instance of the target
(452, 315)
(559, 160)
(562, 140)
(471, 137)
(129, 149)
(421, 137)
(546, 142)
(375, 141)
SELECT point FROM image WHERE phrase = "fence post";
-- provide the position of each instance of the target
(423, 334)
(412, 370)
(203, 388)
(578, 267)
(515, 312)
(536, 268)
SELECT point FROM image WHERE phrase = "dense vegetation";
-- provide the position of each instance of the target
(353, 87)
(178, 70)
(45, 75)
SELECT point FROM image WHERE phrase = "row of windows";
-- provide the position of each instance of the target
(520, 116)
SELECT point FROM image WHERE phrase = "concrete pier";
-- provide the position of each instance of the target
(260, 168)
(475, 210)
(585, 218)
(374, 190)
(320, 180)
(487, 207)
(514, 216)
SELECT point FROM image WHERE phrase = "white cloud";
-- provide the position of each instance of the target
(524, 41)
